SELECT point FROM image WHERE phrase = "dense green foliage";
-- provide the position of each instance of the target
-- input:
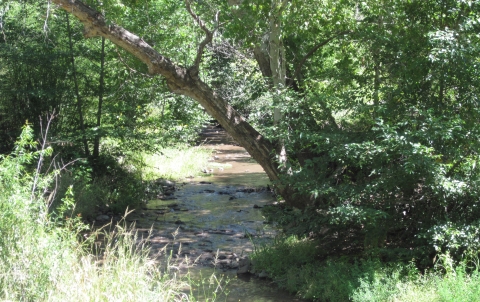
(390, 159)
(43, 74)
(106, 108)
(291, 263)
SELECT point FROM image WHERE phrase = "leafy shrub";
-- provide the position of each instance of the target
(113, 187)
(285, 253)
(293, 265)
(390, 185)
(456, 239)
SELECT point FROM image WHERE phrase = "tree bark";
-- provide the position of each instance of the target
(77, 92)
(184, 81)
(278, 69)
(101, 89)
(276, 48)
(261, 55)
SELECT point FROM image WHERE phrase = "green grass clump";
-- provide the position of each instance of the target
(291, 263)
(48, 256)
(176, 162)
(437, 285)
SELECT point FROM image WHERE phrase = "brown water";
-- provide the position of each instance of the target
(212, 221)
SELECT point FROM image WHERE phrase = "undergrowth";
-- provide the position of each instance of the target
(52, 256)
(292, 263)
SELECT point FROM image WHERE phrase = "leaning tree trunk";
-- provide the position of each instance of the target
(278, 70)
(185, 81)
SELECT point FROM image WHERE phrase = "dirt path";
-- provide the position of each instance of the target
(209, 223)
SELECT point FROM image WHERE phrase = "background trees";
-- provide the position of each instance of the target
(397, 160)
(105, 104)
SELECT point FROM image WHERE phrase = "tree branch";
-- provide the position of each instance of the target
(95, 25)
(283, 5)
(311, 52)
(208, 38)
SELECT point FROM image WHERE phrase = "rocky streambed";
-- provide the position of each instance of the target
(212, 223)
(206, 224)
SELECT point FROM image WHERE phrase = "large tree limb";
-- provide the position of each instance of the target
(180, 81)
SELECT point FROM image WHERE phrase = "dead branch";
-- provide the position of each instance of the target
(44, 137)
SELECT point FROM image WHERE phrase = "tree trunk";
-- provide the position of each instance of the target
(101, 89)
(261, 55)
(186, 82)
(77, 92)
(278, 70)
(277, 55)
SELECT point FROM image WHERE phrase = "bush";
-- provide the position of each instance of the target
(392, 172)
(112, 187)
(292, 264)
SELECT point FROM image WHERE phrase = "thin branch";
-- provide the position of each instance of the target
(208, 34)
(45, 24)
(77, 92)
(312, 51)
(2, 29)
(58, 169)
(44, 136)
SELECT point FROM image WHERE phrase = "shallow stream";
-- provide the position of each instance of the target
(208, 223)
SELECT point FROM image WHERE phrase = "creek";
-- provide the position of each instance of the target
(208, 223)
